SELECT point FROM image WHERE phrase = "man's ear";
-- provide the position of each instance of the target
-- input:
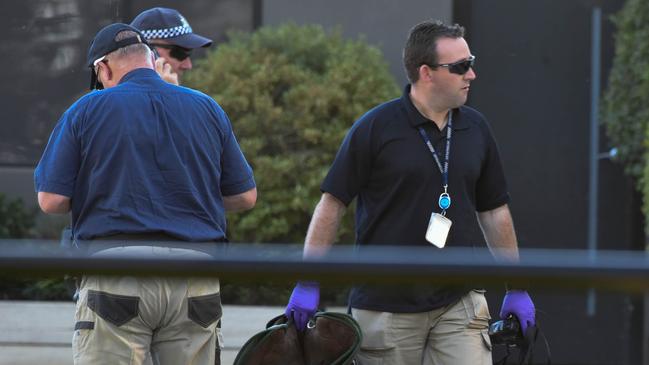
(101, 72)
(106, 72)
(153, 58)
(425, 72)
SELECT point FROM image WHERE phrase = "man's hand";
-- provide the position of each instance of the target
(519, 303)
(303, 303)
(163, 68)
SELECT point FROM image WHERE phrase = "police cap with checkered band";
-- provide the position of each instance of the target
(169, 25)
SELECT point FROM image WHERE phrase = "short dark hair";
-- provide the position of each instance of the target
(421, 46)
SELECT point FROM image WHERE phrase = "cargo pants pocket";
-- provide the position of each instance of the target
(205, 309)
(478, 314)
(377, 346)
(113, 308)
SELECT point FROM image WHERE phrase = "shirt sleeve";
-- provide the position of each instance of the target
(491, 188)
(351, 168)
(57, 170)
(236, 173)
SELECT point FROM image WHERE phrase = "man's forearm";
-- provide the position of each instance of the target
(324, 226)
(498, 228)
(240, 202)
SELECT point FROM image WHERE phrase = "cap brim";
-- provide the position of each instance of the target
(190, 41)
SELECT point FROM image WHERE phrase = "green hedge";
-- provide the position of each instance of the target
(291, 92)
(625, 105)
(16, 221)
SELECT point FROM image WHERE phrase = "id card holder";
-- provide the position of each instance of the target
(438, 228)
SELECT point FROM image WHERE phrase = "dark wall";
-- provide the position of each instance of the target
(375, 20)
(44, 44)
(533, 67)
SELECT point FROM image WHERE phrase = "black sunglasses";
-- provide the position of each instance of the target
(176, 52)
(460, 67)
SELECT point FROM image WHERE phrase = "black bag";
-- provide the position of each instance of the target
(329, 339)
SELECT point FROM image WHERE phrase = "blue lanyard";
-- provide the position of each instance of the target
(444, 199)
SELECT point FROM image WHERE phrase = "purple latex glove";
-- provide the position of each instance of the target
(519, 303)
(303, 303)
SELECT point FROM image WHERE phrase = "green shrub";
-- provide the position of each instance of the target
(277, 294)
(625, 106)
(291, 92)
(16, 221)
(625, 110)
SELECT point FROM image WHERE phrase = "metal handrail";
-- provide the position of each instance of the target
(626, 271)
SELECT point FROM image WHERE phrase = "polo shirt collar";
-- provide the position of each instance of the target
(416, 119)
(139, 73)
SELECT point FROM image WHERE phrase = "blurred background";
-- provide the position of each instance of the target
(543, 67)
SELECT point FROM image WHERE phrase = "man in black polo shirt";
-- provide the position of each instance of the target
(417, 164)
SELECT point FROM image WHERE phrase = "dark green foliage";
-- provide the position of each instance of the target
(277, 294)
(625, 106)
(15, 220)
(291, 92)
(35, 289)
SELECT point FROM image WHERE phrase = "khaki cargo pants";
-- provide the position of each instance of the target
(452, 335)
(147, 320)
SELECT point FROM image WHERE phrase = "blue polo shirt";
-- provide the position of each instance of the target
(385, 164)
(145, 157)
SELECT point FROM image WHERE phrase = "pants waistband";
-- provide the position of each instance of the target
(151, 239)
(157, 236)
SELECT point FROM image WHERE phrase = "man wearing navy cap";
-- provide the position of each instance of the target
(145, 168)
(172, 37)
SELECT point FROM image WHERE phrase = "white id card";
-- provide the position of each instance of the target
(438, 228)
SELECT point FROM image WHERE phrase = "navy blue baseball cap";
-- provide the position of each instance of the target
(169, 25)
(104, 43)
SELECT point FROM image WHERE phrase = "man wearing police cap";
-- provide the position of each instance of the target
(145, 168)
(170, 34)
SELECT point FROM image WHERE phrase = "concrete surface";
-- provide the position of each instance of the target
(41, 332)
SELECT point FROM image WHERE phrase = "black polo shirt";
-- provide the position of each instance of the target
(385, 164)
